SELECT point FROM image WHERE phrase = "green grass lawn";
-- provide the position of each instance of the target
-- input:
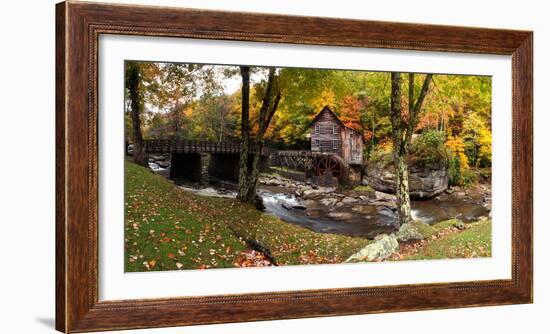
(167, 228)
(444, 241)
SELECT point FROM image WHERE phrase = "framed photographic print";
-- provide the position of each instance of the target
(212, 169)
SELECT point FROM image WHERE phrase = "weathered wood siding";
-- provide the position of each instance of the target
(326, 134)
(329, 136)
(352, 147)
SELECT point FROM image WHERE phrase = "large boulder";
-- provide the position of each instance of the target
(382, 248)
(329, 201)
(307, 192)
(350, 200)
(424, 181)
(380, 196)
(409, 232)
(340, 215)
(163, 164)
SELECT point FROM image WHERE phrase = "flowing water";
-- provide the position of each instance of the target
(361, 220)
(433, 210)
(355, 220)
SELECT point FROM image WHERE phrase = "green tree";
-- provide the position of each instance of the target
(270, 102)
(477, 140)
(135, 94)
(249, 171)
(245, 134)
(403, 127)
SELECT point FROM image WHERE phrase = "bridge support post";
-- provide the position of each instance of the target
(204, 168)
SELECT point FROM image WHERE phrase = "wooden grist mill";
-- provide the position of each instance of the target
(336, 155)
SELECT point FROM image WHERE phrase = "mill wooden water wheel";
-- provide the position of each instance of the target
(329, 164)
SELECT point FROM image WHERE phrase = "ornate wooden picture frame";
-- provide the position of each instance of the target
(78, 27)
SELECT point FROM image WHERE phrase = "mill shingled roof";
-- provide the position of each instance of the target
(327, 109)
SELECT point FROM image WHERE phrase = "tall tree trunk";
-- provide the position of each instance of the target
(402, 132)
(402, 189)
(139, 155)
(254, 173)
(269, 106)
(245, 134)
(249, 170)
(399, 152)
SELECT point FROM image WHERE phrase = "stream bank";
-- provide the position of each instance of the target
(170, 228)
(359, 212)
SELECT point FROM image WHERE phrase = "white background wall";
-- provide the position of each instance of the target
(27, 165)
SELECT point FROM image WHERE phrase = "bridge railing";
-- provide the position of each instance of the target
(302, 153)
(193, 146)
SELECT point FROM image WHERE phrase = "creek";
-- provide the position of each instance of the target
(351, 213)
(361, 218)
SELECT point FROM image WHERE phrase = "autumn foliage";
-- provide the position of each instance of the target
(350, 113)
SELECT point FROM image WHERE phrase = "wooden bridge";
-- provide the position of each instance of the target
(200, 160)
(192, 146)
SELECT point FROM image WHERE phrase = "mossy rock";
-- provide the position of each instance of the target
(409, 231)
(363, 188)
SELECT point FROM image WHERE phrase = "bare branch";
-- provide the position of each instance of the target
(272, 112)
(423, 93)
(395, 109)
(415, 112)
(268, 96)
